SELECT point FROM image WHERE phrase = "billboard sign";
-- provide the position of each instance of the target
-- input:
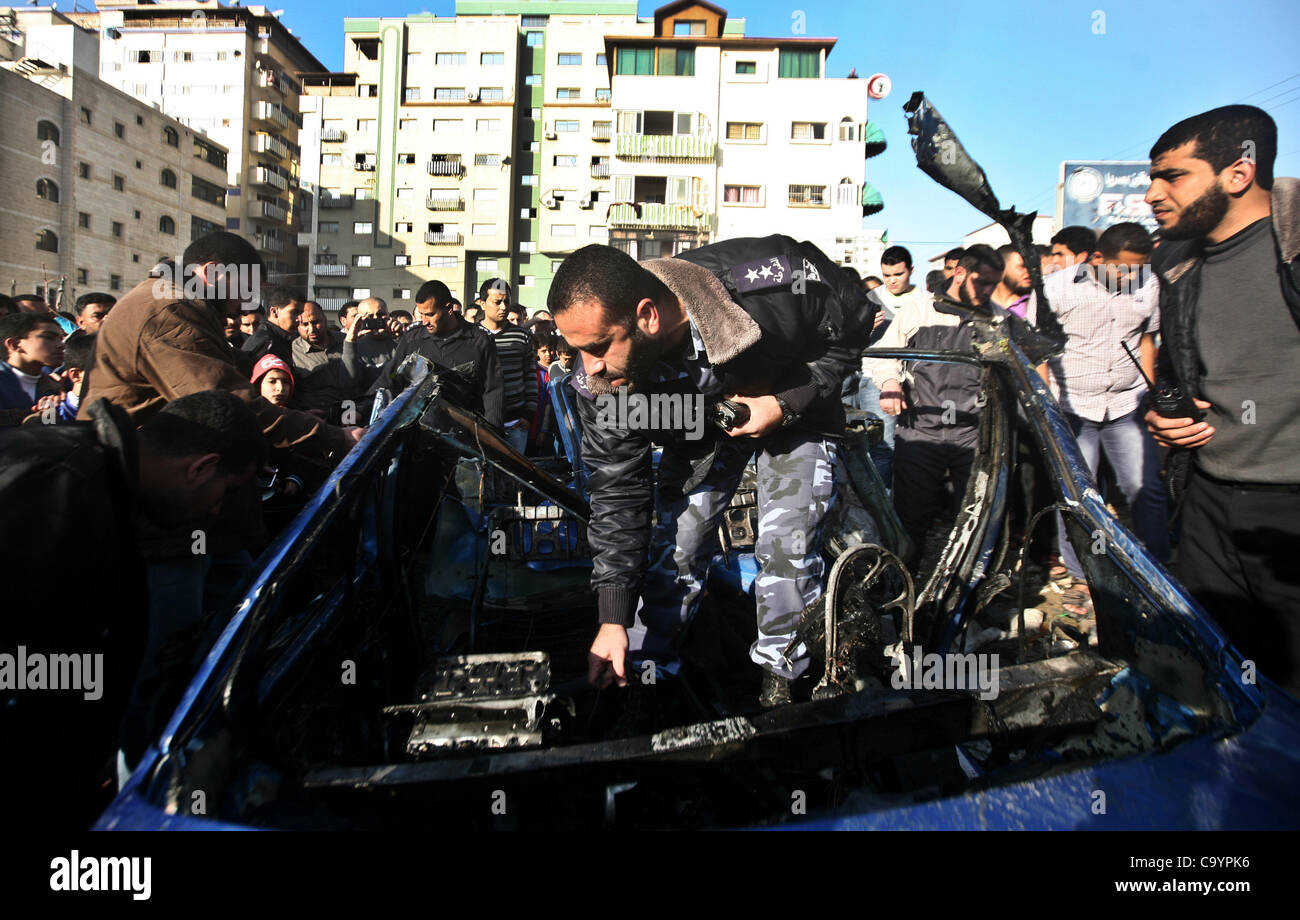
(1099, 193)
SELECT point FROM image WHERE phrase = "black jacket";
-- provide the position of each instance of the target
(775, 317)
(269, 339)
(1179, 266)
(467, 345)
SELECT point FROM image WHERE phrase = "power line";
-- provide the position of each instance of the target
(1269, 87)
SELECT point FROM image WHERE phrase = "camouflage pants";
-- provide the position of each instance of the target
(795, 486)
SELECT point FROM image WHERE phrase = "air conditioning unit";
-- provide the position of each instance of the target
(549, 201)
(551, 135)
(585, 203)
(472, 95)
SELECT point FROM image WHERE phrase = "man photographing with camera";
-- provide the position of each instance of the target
(1229, 269)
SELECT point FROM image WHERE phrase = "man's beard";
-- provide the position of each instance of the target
(642, 355)
(1199, 217)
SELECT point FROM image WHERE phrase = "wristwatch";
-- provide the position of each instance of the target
(788, 415)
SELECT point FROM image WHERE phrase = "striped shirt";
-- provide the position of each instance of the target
(1094, 377)
(518, 372)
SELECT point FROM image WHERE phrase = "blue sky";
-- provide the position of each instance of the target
(1024, 83)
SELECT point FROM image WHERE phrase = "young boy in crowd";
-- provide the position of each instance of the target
(541, 434)
(276, 380)
(32, 342)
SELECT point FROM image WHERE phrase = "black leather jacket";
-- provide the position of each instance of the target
(776, 317)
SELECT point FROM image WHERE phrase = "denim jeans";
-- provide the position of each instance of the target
(882, 454)
(1133, 455)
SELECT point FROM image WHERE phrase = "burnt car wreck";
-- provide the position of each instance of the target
(440, 680)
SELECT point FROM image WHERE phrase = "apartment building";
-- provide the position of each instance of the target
(720, 135)
(99, 186)
(230, 72)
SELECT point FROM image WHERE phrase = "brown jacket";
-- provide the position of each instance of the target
(152, 350)
(157, 349)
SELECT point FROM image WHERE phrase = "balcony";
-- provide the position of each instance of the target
(600, 170)
(333, 134)
(447, 167)
(433, 237)
(337, 201)
(270, 113)
(269, 143)
(332, 303)
(269, 243)
(664, 146)
(330, 269)
(601, 130)
(269, 210)
(658, 217)
(444, 203)
(265, 176)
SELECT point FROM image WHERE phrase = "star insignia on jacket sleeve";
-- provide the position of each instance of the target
(766, 272)
(751, 275)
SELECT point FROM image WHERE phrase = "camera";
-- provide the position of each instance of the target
(372, 323)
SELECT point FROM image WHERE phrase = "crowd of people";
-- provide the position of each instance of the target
(138, 436)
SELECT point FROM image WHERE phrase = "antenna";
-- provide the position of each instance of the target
(1137, 364)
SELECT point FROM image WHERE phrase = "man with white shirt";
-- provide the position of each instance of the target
(896, 292)
(1103, 305)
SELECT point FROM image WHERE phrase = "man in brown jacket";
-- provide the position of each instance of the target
(166, 339)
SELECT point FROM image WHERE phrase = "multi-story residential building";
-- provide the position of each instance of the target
(719, 135)
(98, 186)
(228, 70)
(496, 141)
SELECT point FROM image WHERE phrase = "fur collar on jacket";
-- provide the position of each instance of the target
(725, 327)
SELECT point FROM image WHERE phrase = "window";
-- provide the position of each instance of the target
(115, 282)
(568, 92)
(746, 67)
(487, 124)
(83, 276)
(492, 58)
(85, 115)
(119, 184)
(401, 293)
(533, 79)
(527, 247)
(331, 159)
(485, 194)
(601, 60)
(688, 26)
(814, 195)
(742, 194)
(83, 170)
(166, 225)
(525, 280)
(569, 60)
(447, 124)
(808, 131)
(528, 180)
(406, 124)
(487, 159)
(171, 137)
(848, 129)
(564, 229)
(534, 39)
(47, 241)
(798, 63)
(492, 94)
(361, 261)
(744, 131)
(362, 226)
(401, 261)
(449, 59)
(47, 190)
(117, 229)
(368, 90)
(360, 293)
(329, 226)
(442, 261)
(406, 159)
(483, 229)
(119, 130)
(403, 226)
(365, 125)
(534, 113)
(602, 95)
(565, 160)
(361, 194)
(167, 178)
(598, 232)
(406, 194)
(534, 22)
(567, 125)
(47, 131)
(485, 265)
(678, 62)
(83, 220)
(206, 191)
(846, 192)
(635, 61)
(449, 94)
(412, 94)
